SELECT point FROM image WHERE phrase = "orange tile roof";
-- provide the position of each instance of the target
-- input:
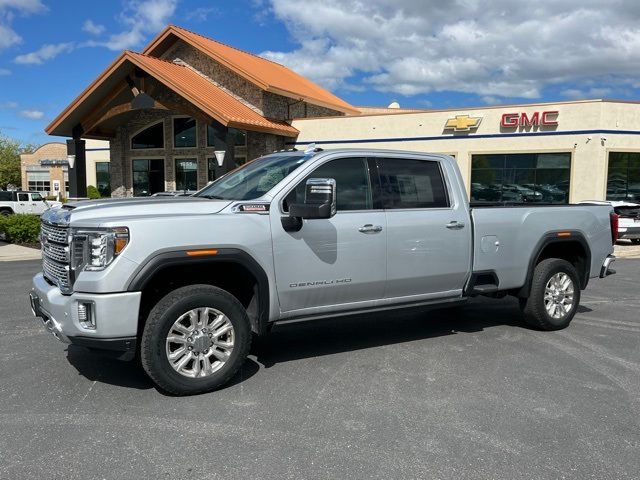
(187, 83)
(208, 97)
(268, 75)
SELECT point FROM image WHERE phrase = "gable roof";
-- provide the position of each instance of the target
(267, 75)
(184, 81)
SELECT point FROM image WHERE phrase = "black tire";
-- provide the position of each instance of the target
(535, 312)
(5, 212)
(153, 354)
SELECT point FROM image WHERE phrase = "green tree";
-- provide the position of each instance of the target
(10, 151)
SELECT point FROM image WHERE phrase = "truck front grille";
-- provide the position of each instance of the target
(55, 255)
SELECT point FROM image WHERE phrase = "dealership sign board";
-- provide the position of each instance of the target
(547, 118)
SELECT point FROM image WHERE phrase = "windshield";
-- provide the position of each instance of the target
(255, 178)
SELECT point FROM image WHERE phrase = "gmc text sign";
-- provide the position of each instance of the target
(535, 119)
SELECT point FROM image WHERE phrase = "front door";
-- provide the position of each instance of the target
(332, 263)
(23, 205)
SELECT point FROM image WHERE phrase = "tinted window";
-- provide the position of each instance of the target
(148, 177)
(184, 132)
(186, 174)
(412, 184)
(623, 176)
(152, 137)
(103, 178)
(353, 188)
(23, 197)
(6, 196)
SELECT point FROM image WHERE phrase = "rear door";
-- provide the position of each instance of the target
(335, 263)
(428, 231)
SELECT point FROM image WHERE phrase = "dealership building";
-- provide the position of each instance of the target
(187, 109)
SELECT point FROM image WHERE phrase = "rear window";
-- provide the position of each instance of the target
(6, 196)
(410, 183)
(628, 212)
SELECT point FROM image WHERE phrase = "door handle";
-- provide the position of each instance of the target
(453, 225)
(369, 228)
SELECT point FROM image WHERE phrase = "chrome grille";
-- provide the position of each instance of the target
(56, 272)
(55, 255)
(54, 233)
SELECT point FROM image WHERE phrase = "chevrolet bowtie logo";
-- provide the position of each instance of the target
(462, 123)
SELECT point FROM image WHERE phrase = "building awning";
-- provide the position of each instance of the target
(96, 102)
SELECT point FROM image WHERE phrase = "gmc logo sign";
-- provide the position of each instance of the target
(535, 119)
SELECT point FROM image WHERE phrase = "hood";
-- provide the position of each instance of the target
(110, 209)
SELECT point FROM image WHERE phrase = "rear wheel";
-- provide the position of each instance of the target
(195, 339)
(5, 212)
(554, 296)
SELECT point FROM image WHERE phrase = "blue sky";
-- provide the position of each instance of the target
(422, 53)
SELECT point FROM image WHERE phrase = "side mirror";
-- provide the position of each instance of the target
(319, 200)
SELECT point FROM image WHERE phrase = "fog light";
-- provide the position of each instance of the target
(85, 315)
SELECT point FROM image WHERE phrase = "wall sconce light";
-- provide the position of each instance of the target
(72, 160)
(220, 156)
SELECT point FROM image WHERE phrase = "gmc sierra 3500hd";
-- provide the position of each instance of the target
(185, 282)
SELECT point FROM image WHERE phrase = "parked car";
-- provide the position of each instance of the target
(628, 218)
(24, 202)
(301, 235)
(528, 195)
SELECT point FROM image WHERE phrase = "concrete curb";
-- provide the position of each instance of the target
(14, 253)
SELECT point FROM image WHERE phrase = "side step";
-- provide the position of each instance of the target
(484, 289)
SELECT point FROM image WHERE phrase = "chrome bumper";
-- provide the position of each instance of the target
(115, 314)
(606, 269)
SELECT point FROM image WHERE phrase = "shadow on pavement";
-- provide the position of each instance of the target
(325, 337)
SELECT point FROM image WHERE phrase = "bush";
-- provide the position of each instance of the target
(20, 228)
(93, 193)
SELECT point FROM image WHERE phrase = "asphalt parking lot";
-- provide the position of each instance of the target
(448, 394)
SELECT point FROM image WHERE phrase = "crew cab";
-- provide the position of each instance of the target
(24, 202)
(186, 282)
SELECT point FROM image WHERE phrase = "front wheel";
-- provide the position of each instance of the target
(195, 339)
(554, 296)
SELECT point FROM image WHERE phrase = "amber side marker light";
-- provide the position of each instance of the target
(201, 253)
(564, 234)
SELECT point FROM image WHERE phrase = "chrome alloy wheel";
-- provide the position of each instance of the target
(199, 342)
(558, 295)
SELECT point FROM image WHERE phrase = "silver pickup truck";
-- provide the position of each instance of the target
(186, 282)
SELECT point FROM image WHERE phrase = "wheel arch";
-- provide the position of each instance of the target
(569, 245)
(243, 277)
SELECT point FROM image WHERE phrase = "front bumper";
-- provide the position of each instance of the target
(115, 316)
(606, 269)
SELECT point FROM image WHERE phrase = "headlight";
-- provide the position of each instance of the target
(95, 249)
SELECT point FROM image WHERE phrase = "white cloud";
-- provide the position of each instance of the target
(4, 72)
(93, 28)
(141, 18)
(200, 14)
(493, 49)
(8, 105)
(32, 114)
(44, 53)
(8, 9)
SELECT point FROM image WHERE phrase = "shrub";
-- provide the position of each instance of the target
(20, 228)
(93, 193)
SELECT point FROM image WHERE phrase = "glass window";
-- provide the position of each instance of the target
(255, 178)
(239, 137)
(186, 174)
(151, 137)
(103, 178)
(217, 135)
(148, 177)
(40, 186)
(23, 197)
(211, 169)
(184, 132)
(623, 176)
(410, 183)
(521, 177)
(353, 186)
(36, 197)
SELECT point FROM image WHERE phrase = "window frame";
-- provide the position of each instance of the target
(374, 181)
(173, 131)
(449, 198)
(175, 169)
(164, 171)
(149, 125)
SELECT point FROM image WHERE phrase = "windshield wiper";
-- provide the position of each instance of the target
(213, 197)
